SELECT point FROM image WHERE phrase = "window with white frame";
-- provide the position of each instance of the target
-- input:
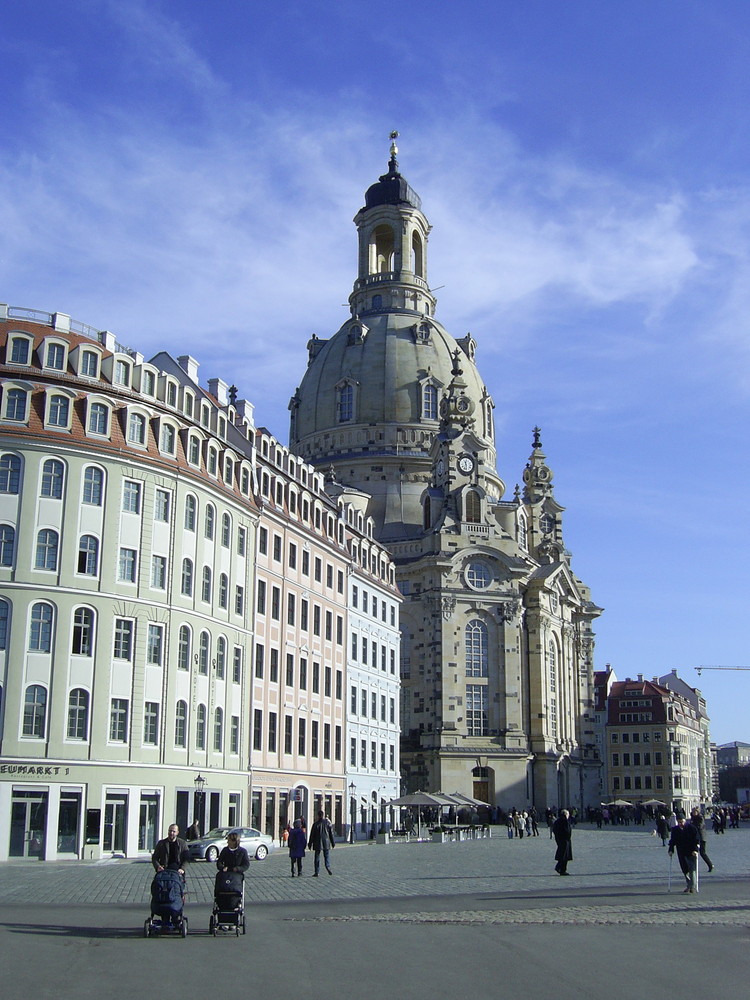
(155, 645)
(20, 350)
(89, 367)
(59, 411)
(123, 639)
(151, 723)
(131, 497)
(78, 714)
(184, 642)
(7, 544)
(162, 501)
(127, 565)
(118, 720)
(46, 549)
(88, 555)
(83, 632)
(35, 711)
(98, 422)
(40, 628)
(137, 429)
(16, 404)
(55, 357)
(10, 474)
(53, 474)
(159, 572)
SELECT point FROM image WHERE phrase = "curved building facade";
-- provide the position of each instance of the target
(127, 535)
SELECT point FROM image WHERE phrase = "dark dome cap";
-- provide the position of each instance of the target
(392, 189)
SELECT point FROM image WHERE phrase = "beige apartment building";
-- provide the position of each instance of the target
(127, 536)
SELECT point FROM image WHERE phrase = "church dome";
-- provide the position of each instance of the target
(370, 401)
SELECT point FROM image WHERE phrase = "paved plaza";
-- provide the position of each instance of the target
(477, 917)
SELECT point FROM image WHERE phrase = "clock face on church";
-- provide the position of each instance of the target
(465, 464)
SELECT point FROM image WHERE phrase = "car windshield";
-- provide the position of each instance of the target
(218, 833)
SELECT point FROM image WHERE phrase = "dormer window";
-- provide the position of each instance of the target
(55, 356)
(137, 429)
(89, 364)
(58, 412)
(20, 351)
(16, 404)
(422, 333)
(148, 383)
(121, 373)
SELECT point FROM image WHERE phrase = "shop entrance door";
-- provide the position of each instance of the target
(28, 823)
(115, 821)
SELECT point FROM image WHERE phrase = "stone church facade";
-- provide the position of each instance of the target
(497, 642)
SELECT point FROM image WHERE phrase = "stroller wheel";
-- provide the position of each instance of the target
(184, 927)
(147, 929)
(244, 929)
(212, 925)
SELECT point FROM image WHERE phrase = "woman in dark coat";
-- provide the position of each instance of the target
(297, 843)
(562, 831)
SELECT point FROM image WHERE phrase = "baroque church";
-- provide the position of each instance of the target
(497, 642)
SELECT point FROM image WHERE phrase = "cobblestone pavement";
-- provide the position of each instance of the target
(507, 876)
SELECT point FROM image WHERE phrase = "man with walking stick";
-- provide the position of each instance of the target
(685, 839)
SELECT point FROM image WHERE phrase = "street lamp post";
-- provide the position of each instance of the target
(353, 794)
(199, 781)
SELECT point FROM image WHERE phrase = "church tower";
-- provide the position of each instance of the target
(497, 669)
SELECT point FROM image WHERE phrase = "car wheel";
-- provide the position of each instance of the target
(261, 852)
(212, 854)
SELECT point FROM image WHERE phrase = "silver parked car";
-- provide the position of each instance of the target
(256, 844)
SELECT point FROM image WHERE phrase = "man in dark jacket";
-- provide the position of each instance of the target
(685, 839)
(562, 831)
(171, 853)
(321, 839)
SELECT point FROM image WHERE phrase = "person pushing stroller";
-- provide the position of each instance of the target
(233, 858)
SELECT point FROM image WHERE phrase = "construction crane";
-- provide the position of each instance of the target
(698, 669)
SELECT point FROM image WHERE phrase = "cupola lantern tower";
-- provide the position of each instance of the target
(393, 236)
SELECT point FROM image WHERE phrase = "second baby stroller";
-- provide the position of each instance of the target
(229, 903)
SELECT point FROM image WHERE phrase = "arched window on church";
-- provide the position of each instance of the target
(417, 255)
(345, 402)
(427, 514)
(381, 250)
(476, 648)
(552, 669)
(521, 530)
(472, 507)
(429, 401)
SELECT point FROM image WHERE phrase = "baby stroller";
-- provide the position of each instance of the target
(229, 903)
(167, 901)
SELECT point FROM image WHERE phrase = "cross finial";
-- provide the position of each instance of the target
(537, 439)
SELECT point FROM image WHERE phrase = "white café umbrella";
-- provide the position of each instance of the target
(418, 799)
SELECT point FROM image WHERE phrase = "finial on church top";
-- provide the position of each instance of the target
(537, 439)
(393, 162)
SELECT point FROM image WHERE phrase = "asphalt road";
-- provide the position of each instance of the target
(479, 918)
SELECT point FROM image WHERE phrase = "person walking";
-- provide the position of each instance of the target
(321, 839)
(297, 843)
(562, 830)
(662, 829)
(696, 820)
(685, 839)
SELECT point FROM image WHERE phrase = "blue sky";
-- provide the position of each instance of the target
(185, 174)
